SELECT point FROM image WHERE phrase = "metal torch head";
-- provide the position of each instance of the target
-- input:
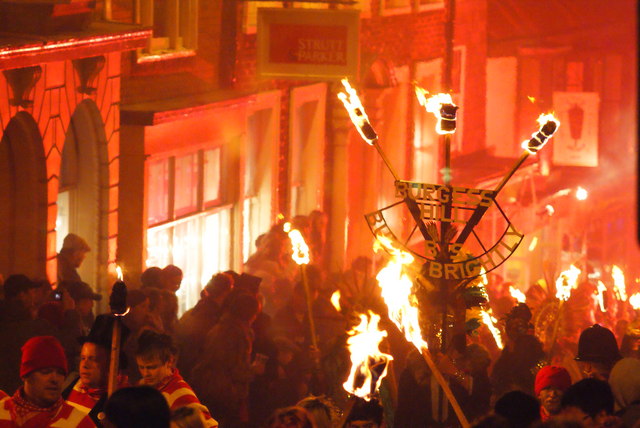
(539, 139)
(448, 114)
(118, 298)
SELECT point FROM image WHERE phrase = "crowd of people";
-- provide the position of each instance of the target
(263, 349)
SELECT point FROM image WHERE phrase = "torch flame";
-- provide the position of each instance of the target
(119, 273)
(548, 126)
(619, 286)
(335, 300)
(567, 281)
(299, 247)
(396, 292)
(600, 296)
(634, 301)
(366, 359)
(356, 112)
(517, 294)
(489, 320)
(434, 105)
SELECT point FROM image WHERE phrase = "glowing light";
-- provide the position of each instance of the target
(548, 126)
(550, 210)
(119, 273)
(634, 301)
(300, 249)
(280, 217)
(396, 292)
(619, 286)
(600, 296)
(581, 193)
(335, 300)
(517, 294)
(566, 282)
(533, 244)
(368, 364)
(491, 322)
(356, 112)
(442, 106)
(531, 99)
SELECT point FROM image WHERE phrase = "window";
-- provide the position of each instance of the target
(189, 226)
(251, 11)
(175, 26)
(396, 7)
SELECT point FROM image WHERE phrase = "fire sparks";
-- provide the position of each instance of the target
(396, 292)
(531, 99)
(548, 126)
(442, 106)
(517, 294)
(600, 295)
(567, 281)
(335, 300)
(619, 286)
(634, 301)
(299, 247)
(368, 364)
(119, 273)
(356, 112)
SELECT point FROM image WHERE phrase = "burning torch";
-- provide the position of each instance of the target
(442, 107)
(118, 306)
(300, 255)
(360, 119)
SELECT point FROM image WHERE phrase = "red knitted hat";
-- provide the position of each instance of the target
(552, 377)
(42, 352)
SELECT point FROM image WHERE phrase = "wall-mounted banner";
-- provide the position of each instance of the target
(576, 143)
(308, 43)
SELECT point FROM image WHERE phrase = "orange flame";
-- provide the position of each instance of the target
(366, 358)
(489, 320)
(548, 126)
(119, 273)
(433, 105)
(619, 286)
(299, 247)
(517, 294)
(396, 292)
(634, 301)
(531, 99)
(356, 112)
(566, 282)
(335, 300)
(600, 296)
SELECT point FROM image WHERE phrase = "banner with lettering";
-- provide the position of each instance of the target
(576, 142)
(308, 43)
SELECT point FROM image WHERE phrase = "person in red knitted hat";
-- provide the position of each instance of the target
(551, 382)
(38, 402)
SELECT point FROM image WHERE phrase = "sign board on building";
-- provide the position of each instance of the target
(576, 142)
(308, 43)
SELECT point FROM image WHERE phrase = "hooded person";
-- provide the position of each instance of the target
(551, 382)
(38, 403)
(625, 385)
(88, 392)
(72, 254)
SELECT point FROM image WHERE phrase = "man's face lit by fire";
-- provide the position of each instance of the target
(153, 370)
(43, 387)
(550, 399)
(93, 365)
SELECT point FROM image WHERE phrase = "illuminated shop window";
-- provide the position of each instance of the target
(188, 224)
(175, 26)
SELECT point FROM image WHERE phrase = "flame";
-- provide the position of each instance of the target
(489, 320)
(634, 301)
(366, 357)
(119, 273)
(600, 295)
(396, 292)
(567, 281)
(517, 294)
(619, 286)
(531, 99)
(356, 112)
(581, 193)
(300, 248)
(434, 105)
(335, 300)
(548, 126)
